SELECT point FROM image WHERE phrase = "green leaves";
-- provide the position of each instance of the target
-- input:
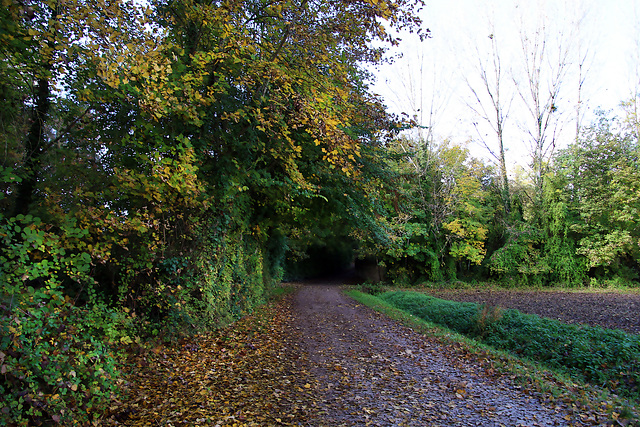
(437, 214)
(30, 252)
(49, 360)
(601, 177)
(52, 367)
(600, 356)
(162, 159)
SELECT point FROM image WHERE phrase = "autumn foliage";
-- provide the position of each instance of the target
(162, 161)
(156, 159)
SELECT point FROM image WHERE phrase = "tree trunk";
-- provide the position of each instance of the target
(34, 148)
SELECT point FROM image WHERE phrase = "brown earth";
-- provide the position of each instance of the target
(318, 358)
(607, 309)
(371, 370)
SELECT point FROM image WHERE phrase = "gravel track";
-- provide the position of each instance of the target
(374, 371)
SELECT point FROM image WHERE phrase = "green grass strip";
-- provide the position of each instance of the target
(602, 357)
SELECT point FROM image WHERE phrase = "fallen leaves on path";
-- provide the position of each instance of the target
(328, 361)
(373, 371)
(248, 374)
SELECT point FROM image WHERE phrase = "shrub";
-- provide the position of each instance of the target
(456, 316)
(53, 367)
(486, 318)
(372, 288)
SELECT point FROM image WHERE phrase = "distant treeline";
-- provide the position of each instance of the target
(448, 217)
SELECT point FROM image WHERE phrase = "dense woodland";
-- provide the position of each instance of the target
(165, 165)
(577, 227)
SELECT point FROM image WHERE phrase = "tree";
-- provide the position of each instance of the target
(601, 173)
(491, 107)
(163, 156)
(48, 49)
(425, 92)
(437, 219)
(583, 60)
(631, 106)
(540, 89)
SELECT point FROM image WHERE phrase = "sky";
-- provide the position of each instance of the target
(432, 79)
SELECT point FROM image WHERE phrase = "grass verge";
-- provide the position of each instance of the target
(602, 357)
(553, 384)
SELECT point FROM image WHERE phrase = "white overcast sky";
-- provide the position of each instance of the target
(432, 75)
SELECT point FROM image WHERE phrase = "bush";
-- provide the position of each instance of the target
(372, 288)
(455, 316)
(53, 367)
(603, 357)
(54, 362)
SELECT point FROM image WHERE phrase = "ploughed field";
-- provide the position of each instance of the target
(611, 310)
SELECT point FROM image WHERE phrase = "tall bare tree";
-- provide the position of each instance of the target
(583, 57)
(546, 62)
(631, 106)
(491, 103)
(425, 95)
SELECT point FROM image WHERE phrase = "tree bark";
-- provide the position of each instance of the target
(34, 148)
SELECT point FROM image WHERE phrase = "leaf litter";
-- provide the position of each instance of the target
(248, 374)
(320, 359)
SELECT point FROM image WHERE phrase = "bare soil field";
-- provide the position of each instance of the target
(611, 310)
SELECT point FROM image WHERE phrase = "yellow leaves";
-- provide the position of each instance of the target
(464, 229)
(455, 227)
(470, 239)
(246, 374)
(324, 120)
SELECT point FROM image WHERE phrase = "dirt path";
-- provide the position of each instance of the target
(374, 371)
